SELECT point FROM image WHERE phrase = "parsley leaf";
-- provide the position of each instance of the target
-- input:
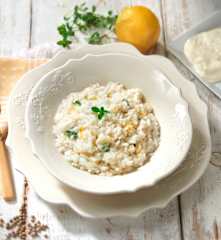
(77, 102)
(103, 110)
(105, 147)
(95, 109)
(71, 133)
(95, 38)
(99, 111)
(100, 115)
(64, 43)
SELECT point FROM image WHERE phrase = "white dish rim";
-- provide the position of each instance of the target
(125, 189)
(62, 198)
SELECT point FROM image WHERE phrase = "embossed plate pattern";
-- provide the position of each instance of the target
(169, 106)
(131, 204)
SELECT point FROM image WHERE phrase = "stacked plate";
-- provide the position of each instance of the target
(180, 160)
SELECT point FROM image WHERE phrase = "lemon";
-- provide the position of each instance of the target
(139, 26)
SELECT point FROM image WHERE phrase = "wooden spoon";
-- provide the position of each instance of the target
(6, 174)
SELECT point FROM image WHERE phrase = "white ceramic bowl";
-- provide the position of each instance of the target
(170, 108)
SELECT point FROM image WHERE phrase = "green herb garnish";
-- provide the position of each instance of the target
(96, 38)
(66, 32)
(77, 102)
(99, 111)
(85, 20)
(105, 147)
(71, 133)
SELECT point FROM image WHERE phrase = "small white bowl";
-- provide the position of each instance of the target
(170, 109)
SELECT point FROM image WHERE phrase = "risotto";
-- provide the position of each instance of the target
(106, 130)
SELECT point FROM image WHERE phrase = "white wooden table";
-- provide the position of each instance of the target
(196, 214)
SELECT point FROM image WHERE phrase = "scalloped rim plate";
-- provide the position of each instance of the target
(169, 106)
(127, 204)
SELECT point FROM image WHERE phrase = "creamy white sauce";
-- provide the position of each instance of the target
(204, 52)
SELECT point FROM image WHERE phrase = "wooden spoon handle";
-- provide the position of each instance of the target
(6, 174)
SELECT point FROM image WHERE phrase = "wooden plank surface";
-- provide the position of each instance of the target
(14, 25)
(40, 23)
(201, 208)
(26, 23)
(14, 35)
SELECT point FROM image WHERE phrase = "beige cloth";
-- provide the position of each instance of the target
(12, 69)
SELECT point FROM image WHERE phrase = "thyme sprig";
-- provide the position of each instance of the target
(84, 19)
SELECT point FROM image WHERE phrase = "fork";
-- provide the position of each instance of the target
(8, 191)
